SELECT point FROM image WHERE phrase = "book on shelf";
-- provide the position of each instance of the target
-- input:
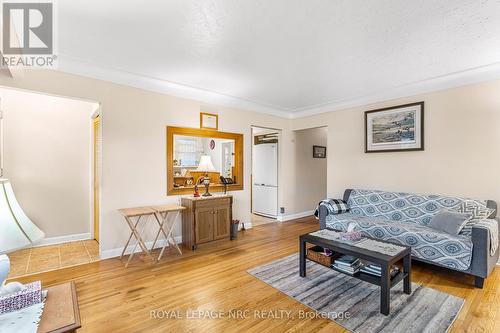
(355, 263)
(347, 260)
(347, 270)
(376, 270)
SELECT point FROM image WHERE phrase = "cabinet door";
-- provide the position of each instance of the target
(221, 222)
(204, 225)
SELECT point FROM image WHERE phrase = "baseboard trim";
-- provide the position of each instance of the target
(113, 253)
(62, 239)
(283, 218)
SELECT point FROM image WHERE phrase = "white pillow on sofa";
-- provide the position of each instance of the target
(476, 213)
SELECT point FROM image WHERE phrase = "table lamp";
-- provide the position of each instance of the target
(206, 166)
(16, 231)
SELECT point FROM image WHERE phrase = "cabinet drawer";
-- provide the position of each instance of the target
(213, 202)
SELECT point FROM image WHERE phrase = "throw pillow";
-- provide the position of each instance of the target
(449, 221)
(338, 206)
(476, 211)
(334, 206)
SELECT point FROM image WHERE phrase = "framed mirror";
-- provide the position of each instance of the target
(193, 154)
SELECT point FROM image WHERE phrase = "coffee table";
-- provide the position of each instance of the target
(386, 261)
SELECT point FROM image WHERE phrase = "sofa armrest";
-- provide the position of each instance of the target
(482, 262)
(323, 213)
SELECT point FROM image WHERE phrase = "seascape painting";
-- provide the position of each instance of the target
(397, 128)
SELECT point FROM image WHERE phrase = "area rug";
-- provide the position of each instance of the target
(355, 304)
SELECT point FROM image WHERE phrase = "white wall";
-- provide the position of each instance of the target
(462, 147)
(310, 173)
(134, 139)
(48, 159)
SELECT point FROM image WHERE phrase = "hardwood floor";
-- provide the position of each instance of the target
(115, 299)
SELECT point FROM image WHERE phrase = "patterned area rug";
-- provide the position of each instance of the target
(355, 304)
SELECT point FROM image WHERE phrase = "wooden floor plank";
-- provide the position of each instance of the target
(115, 299)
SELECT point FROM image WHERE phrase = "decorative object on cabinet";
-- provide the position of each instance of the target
(206, 219)
(205, 166)
(209, 121)
(188, 146)
(196, 191)
(319, 152)
(225, 181)
(397, 128)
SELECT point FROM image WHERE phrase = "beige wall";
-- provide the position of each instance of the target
(133, 134)
(48, 159)
(461, 156)
(462, 147)
(310, 180)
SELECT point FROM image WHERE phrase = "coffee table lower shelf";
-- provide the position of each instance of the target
(400, 276)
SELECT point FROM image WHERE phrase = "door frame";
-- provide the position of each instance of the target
(96, 169)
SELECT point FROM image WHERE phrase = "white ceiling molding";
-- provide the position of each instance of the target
(79, 67)
(463, 78)
(476, 75)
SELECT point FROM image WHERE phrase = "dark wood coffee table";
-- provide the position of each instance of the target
(385, 282)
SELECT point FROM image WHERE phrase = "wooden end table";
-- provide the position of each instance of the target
(385, 281)
(61, 313)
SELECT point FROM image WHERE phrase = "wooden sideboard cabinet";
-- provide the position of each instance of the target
(206, 219)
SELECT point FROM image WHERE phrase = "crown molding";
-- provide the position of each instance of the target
(471, 76)
(453, 80)
(79, 67)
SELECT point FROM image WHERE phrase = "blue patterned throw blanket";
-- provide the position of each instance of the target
(403, 218)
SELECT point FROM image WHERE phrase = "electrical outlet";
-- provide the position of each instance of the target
(282, 210)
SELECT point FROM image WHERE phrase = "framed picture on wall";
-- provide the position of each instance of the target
(397, 128)
(209, 121)
(319, 152)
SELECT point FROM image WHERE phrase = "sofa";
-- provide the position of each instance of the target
(402, 218)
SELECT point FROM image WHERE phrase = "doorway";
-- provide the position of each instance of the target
(265, 166)
(310, 189)
(49, 142)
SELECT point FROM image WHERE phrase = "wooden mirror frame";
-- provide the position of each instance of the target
(204, 133)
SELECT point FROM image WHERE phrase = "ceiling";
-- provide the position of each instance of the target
(286, 57)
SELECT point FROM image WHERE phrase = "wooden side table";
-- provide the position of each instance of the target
(61, 313)
(165, 216)
(137, 213)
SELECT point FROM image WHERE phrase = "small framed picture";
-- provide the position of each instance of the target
(209, 121)
(319, 152)
(397, 128)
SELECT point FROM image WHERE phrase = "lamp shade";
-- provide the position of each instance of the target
(206, 164)
(16, 229)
